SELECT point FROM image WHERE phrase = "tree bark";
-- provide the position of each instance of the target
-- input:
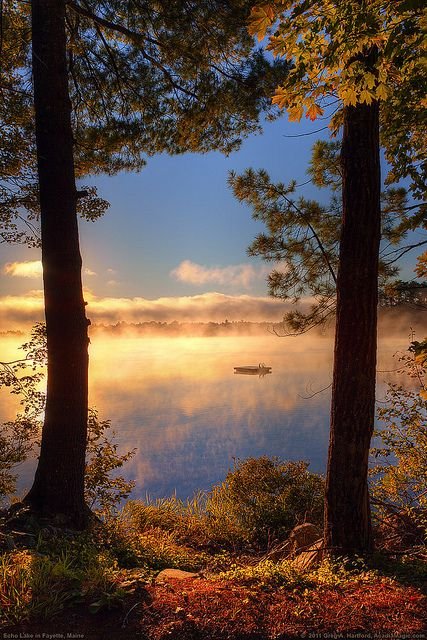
(347, 511)
(59, 481)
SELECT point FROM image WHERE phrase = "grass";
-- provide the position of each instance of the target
(42, 582)
(110, 570)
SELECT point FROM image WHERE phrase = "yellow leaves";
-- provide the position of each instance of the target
(280, 98)
(329, 46)
(313, 111)
(261, 17)
(348, 96)
(381, 92)
(295, 113)
(369, 80)
(276, 46)
(378, 40)
(366, 96)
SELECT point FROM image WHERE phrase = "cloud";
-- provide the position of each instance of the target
(27, 269)
(199, 308)
(18, 310)
(242, 275)
(31, 269)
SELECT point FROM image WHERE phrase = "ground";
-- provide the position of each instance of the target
(197, 609)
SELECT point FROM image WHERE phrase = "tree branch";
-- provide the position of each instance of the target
(136, 37)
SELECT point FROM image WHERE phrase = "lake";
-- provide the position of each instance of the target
(178, 400)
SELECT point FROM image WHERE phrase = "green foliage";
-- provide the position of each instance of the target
(265, 498)
(18, 437)
(286, 574)
(59, 572)
(399, 477)
(301, 236)
(104, 489)
(258, 503)
(177, 522)
(16, 444)
(144, 78)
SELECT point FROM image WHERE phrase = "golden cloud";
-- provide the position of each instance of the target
(18, 310)
(28, 269)
(31, 269)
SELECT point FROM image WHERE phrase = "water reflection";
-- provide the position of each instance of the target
(178, 401)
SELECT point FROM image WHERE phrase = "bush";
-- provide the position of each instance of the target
(263, 499)
(258, 503)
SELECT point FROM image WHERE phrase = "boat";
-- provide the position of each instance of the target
(261, 369)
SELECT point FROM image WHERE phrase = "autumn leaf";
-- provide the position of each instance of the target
(314, 111)
(381, 92)
(295, 114)
(280, 98)
(348, 96)
(370, 80)
(260, 19)
(366, 96)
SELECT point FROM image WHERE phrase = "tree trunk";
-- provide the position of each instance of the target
(58, 487)
(347, 511)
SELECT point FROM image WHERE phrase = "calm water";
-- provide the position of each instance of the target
(179, 402)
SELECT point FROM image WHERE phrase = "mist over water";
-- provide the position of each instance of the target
(179, 402)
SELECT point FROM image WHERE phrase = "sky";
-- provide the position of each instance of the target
(172, 245)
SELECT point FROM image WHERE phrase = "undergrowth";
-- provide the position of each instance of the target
(287, 574)
(257, 505)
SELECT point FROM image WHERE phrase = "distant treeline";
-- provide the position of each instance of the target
(394, 318)
(202, 329)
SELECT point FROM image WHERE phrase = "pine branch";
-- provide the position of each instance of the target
(138, 39)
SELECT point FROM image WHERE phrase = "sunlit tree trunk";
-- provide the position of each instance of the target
(347, 513)
(58, 487)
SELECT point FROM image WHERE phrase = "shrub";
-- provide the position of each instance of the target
(264, 498)
(258, 503)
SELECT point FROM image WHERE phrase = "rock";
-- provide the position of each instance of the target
(304, 536)
(313, 555)
(175, 574)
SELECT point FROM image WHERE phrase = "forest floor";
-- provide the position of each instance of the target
(202, 609)
(170, 571)
(68, 589)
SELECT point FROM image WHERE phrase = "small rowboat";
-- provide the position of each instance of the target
(259, 369)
